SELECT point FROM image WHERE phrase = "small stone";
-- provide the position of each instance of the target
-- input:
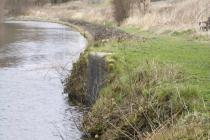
(96, 136)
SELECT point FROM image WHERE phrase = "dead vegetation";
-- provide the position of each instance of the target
(159, 15)
(193, 126)
(76, 10)
(172, 15)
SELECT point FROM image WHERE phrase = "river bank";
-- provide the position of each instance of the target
(155, 87)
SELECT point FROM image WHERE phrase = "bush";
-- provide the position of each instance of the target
(121, 10)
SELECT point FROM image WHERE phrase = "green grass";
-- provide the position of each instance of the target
(192, 56)
(137, 31)
(158, 79)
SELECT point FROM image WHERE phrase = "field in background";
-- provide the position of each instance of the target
(162, 16)
(173, 15)
(81, 10)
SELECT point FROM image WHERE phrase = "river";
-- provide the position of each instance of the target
(34, 58)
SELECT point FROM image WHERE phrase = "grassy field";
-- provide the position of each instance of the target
(189, 53)
(161, 77)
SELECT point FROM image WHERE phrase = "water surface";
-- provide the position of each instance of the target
(34, 58)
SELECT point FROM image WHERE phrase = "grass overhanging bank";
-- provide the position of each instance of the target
(157, 88)
(99, 35)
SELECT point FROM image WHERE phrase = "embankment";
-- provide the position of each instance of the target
(149, 89)
(140, 89)
(91, 70)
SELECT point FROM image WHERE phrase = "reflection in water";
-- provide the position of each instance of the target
(32, 58)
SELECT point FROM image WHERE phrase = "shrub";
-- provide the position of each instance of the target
(121, 10)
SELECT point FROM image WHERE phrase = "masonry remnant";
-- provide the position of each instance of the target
(97, 74)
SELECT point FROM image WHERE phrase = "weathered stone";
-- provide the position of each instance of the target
(97, 74)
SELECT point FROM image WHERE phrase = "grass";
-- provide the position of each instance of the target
(186, 127)
(192, 55)
(151, 83)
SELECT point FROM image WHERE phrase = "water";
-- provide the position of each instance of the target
(34, 58)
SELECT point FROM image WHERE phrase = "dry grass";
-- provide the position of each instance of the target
(79, 10)
(163, 15)
(172, 15)
(194, 126)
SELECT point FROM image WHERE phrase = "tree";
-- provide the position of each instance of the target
(2, 9)
(142, 5)
(15, 7)
(121, 10)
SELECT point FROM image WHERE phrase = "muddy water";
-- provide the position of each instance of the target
(34, 58)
